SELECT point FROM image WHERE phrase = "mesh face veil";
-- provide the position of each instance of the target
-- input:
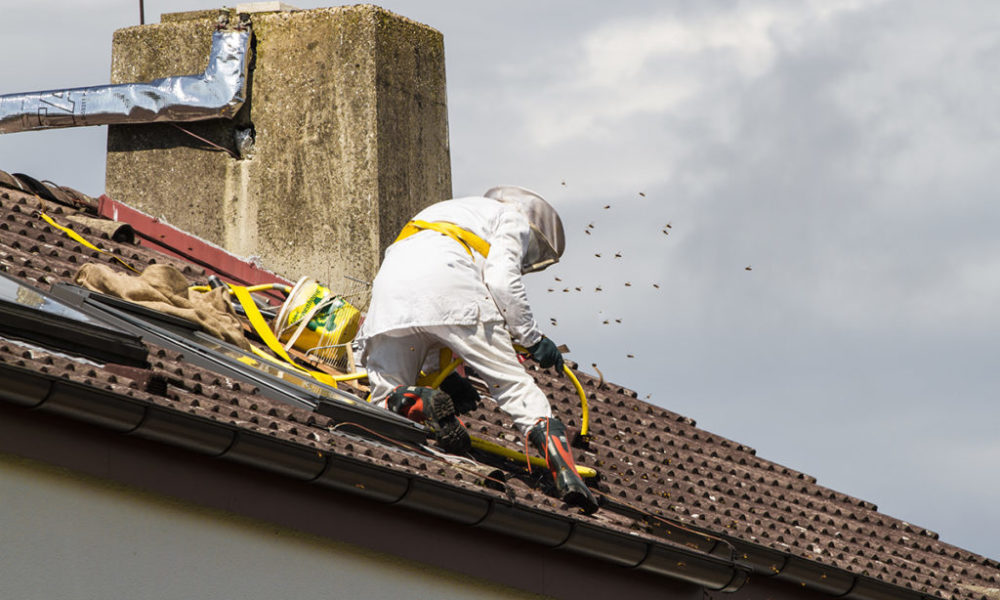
(547, 239)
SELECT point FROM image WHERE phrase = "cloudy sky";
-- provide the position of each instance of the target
(828, 288)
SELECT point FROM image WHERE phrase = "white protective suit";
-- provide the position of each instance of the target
(431, 292)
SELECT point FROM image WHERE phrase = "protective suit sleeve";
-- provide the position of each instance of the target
(502, 276)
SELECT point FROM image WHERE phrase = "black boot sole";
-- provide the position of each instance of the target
(449, 433)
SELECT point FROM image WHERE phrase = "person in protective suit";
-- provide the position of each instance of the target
(452, 279)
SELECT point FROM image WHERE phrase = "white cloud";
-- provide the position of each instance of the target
(665, 62)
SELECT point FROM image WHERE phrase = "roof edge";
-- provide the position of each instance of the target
(37, 391)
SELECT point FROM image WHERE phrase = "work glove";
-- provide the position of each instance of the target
(547, 355)
(463, 394)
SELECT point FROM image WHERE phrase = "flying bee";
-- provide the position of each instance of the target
(643, 194)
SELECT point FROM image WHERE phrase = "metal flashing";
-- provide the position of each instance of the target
(171, 241)
(35, 316)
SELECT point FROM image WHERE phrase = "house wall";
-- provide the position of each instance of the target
(226, 488)
(66, 535)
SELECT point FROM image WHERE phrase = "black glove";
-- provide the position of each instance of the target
(547, 355)
(463, 394)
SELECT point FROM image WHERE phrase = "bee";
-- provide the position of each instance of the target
(578, 289)
(748, 268)
(618, 254)
(605, 322)
(656, 285)
(607, 206)
(643, 194)
(630, 355)
(551, 290)
(668, 225)
(557, 279)
(598, 289)
(618, 320)
(628, 284)
(564, 183)
(597, 254)
(587, 231)
(590, 225)
(565, 289)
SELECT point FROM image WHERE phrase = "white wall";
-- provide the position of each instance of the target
(67, 536)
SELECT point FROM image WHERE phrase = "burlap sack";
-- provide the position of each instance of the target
(165, 289)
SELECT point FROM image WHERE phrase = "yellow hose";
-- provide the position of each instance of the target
(584, 410)
(536, 461)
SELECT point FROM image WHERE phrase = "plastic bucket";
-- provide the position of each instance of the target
(331, 322)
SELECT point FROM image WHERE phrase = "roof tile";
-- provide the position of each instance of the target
(667, 477)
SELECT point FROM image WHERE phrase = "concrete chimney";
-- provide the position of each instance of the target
(343, 137)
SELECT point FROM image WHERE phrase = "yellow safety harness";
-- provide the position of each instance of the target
(469, 240)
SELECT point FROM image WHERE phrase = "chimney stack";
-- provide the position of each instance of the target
(343, 137)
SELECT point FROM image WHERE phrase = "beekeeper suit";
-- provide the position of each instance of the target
(438, 287)
(452, 279)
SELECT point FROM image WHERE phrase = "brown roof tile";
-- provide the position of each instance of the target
(666, 478)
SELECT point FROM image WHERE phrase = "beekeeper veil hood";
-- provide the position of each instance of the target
(547, 239)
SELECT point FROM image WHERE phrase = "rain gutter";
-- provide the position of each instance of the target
(30, 389)
(785, 566)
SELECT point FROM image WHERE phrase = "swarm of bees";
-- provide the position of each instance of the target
(591, 229)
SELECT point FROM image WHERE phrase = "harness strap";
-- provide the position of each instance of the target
(79, 239)
(469, 240)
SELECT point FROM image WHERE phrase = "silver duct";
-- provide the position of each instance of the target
(218, 92)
